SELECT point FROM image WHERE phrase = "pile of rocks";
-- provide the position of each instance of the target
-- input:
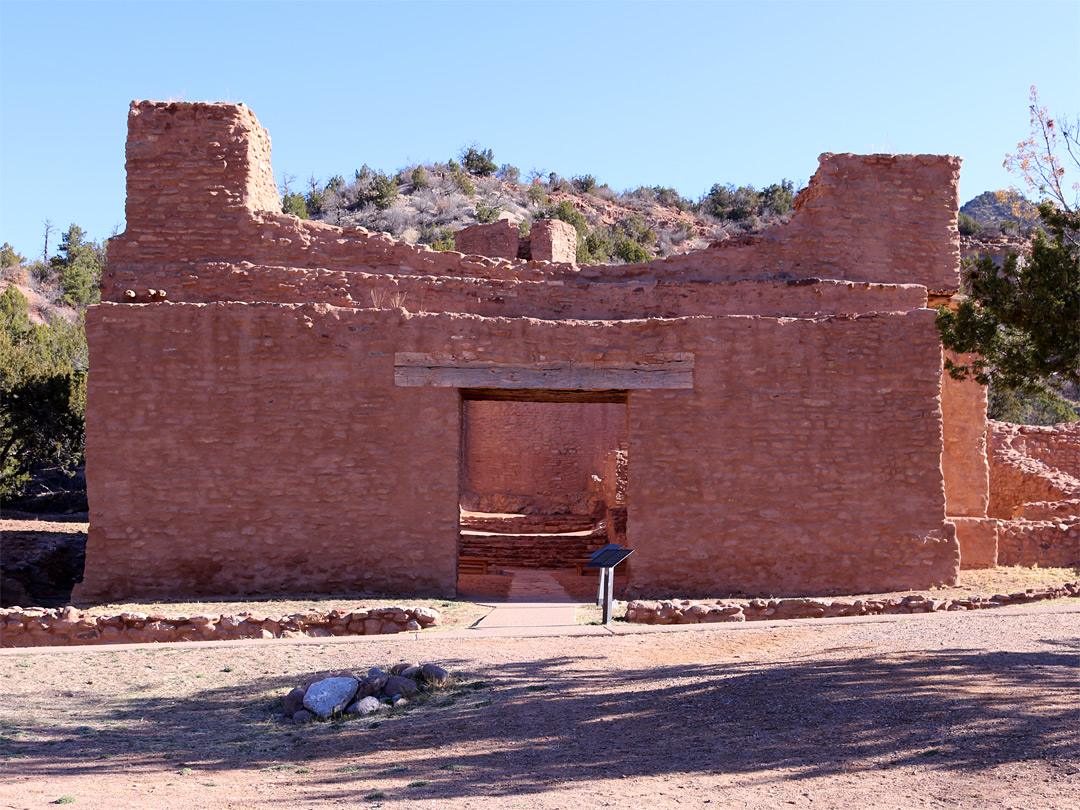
(43, 627)
(724, 610)
(331, 694)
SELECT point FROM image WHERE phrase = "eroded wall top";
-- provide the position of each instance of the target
(201, 190)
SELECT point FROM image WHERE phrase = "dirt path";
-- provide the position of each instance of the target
(974, 710)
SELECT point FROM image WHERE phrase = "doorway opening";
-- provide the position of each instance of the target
(543, 484)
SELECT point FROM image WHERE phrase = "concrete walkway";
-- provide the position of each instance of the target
(536, 600)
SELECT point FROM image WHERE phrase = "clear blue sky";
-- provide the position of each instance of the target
(678, 94)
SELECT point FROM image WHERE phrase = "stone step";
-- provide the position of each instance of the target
(527, 524)
(531, 550)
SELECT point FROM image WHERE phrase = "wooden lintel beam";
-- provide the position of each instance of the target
(668, 371)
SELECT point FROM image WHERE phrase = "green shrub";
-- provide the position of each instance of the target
(437, 238)
(537, 195)
(315, 197)
(419, 178)
(509, 174)
(779, 197)
(42, 393)
(382, 191)
(556, 183)
(464, 183)
(1035, 408)
(486, 214)
(79, 266)
(731, 203)
(9, 258)
(480, 162)
(631, 252)
(293, 204)
(967, 225)
(586, 184)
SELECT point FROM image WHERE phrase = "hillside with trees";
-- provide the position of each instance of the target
(1004, 211)
(426, 203)
(43, 368)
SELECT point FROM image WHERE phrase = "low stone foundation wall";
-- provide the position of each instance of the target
(43, 627)
(724, 610)
(1048, 543)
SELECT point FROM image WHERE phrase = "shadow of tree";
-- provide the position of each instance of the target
(562, 720)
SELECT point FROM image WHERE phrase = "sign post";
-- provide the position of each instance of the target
(606, 559)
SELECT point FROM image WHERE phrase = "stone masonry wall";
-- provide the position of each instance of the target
(573, 298)
(964, 464)
(550, 240)
(875, 218)
(190, 162)
(312, 471)
(264, 447)
(1032, 464)
(255, 449)
(805, 451)
(553, 240)
(495, 239)
(537, 456)
(1035, 492)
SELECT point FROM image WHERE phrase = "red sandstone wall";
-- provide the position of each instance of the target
(260, 448)
(881, 218)
(537, 455)
(495, 239)
(576, 299)
(237, 449)
(963, 462)
(1031, 464)
(196, 161)
(245, 448)
(553, 240)
(807, 456)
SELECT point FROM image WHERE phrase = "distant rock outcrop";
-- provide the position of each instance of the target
(991, 208)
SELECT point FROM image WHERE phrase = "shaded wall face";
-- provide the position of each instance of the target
(963, 461)
(537, 456)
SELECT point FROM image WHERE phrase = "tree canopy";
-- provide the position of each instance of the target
(1022, 319)
(42, 393)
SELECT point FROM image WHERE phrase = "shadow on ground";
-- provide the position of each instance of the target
(557, 721)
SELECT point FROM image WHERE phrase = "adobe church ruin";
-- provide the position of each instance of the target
(261, 419)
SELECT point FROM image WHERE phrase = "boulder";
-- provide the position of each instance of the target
(365, 706)
(329, 696)
(322, 676)
(399, 685)
(434, 674)
(294, 702)
(426, 616)
(399, 669)
(303, 716)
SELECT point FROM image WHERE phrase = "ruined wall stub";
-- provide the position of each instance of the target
(266, 429)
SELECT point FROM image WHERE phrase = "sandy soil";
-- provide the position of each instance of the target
(974, 710)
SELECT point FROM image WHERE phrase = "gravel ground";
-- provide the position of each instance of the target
(974, 710)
